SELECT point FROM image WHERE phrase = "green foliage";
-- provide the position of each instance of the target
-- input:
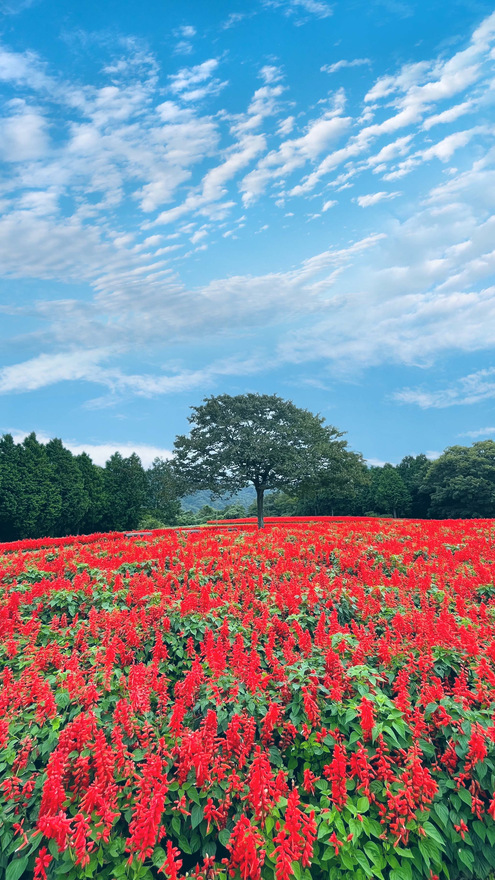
(339, 491)
(413, 470)
(462, 481)
(163, 492)
(94, 485)
(39, 498)
(125, 484)
(73, 498)
(253, 438)
(387, 491)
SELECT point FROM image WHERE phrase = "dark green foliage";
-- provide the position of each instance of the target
(125, 484)
(162, 492)
(462, 481)
(9, 487)
(73, 499)
(254, 438)
(413, 470)
(46, 490)
(277, 504)
(388, 493)
(238, 446)
(93, 478)
(339, 491)
(39, 500)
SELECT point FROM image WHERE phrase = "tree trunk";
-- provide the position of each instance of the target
(395, 513)
(259, 503)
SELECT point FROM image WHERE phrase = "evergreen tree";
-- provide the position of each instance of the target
(9, 488)
(93, 478)
(39, 502)
(68, 483)
(162, 492)
(125, 484)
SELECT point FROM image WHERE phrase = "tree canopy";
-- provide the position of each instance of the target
(254, 438)
(462, 481)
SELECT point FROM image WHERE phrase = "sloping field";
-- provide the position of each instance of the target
(314, 701)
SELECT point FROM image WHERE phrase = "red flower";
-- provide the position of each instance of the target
(41, 863)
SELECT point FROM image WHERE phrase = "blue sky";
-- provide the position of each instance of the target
(285, 196)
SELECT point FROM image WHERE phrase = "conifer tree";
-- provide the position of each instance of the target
(39, 500)
(68, 483)
(125, 484)
(93, 477)
(9, 488)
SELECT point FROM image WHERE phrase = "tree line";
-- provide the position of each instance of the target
(304, 465)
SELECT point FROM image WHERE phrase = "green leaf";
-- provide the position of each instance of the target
(480, 829)
(465, 796)
(363, 861)
(363, 805)
(435, 835)
(16, 868)
(406, 870)
(466, 857)
(159, 856)
(185, 846)
(373, 851)
(224, 836)
(442, 812)
(424, 852)
(197, 813)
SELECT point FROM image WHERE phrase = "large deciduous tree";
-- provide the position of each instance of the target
(254, 438)
(462, 481)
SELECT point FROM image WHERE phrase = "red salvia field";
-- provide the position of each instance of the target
(311, 701)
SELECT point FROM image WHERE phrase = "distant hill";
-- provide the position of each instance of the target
(197, 500)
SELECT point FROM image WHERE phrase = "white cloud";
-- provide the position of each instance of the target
(296, 8)
(449, 115)
(423, 289)
(373, 198)
(343, 63)
(293, 154)
(24, 135)
(47, 369)
(471, 389)
(286, 126)
(270, 73)
(213, 185)
(101, 452)
(195, 83)
(480, 432)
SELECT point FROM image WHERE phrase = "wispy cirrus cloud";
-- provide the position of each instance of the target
(373, 198)
(480, 432)
(150, 166)
(468, 390)
(344, 63)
